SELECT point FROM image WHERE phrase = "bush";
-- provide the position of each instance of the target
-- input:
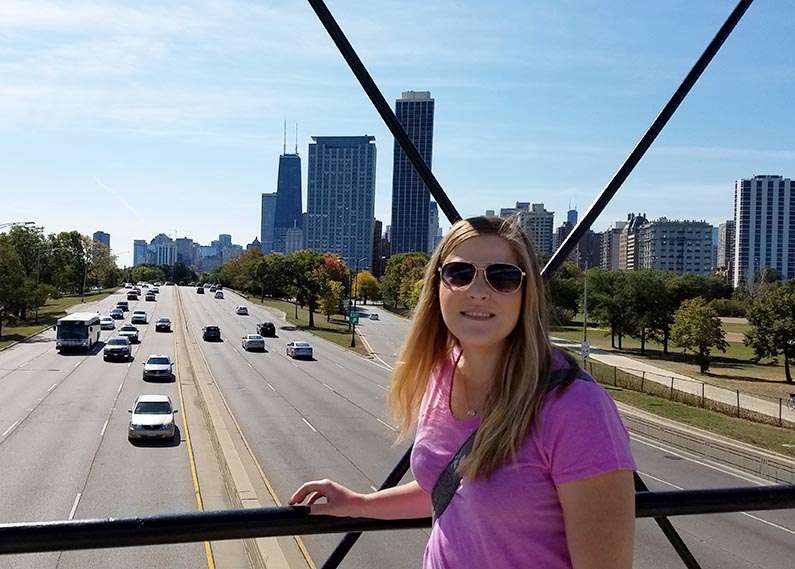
(729, 307)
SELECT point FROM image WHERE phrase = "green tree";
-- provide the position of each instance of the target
(650, 308)
(609, 301)
(11, 281)
(408, 285)
(414, 294)
(565, 292)
(698, 329)
(366, 286)
(772, 317)
(331, 298)
(307, 279)
(396, 269)
(146, 273)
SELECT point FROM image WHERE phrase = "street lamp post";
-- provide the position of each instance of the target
(352, 303)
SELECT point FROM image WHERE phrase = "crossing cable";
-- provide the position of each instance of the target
(566, 248)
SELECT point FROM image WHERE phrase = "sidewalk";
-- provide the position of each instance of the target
(682, 383)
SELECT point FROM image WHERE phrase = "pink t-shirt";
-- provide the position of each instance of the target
(514, 519)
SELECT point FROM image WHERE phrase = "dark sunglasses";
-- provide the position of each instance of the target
(504, 278)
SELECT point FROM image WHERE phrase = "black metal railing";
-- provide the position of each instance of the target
(296, 520)
(273, 522)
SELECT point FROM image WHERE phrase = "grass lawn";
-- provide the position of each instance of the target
(756, 434)
(48, 315)
(732, 369)
(336, 330)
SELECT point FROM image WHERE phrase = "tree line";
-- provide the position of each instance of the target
(321, 282)
(35, 267)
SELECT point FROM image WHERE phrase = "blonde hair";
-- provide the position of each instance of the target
(512, 405)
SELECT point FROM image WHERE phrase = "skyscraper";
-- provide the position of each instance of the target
(537, 223)
(267, 220)
(288, 198)
(140, 252)
(571, 216)
(764, 222)
(725, 258)
(102, 237)
(341, 197)
(410, 197)
(433, 225)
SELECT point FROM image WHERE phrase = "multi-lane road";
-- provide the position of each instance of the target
(64, 451)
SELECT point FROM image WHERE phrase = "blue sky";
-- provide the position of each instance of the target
(154, 116)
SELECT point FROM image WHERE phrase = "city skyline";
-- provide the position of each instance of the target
(105, 122)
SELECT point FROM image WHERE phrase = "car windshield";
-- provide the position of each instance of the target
(212, 328)
(128, 328)
(301, 345)
(153, 407)
(118, 342)
(164, 321)
(158, 361)
(254, 337)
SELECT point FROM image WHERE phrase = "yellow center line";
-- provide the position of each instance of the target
(196, 489)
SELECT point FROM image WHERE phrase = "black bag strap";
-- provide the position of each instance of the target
(449, 480)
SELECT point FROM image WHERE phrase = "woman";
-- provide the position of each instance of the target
(547, 482)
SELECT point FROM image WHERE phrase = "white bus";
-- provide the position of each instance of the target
(77, 331)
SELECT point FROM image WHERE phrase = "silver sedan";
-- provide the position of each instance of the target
(253, 342)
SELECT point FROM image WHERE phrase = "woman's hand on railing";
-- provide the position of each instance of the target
(340, 501)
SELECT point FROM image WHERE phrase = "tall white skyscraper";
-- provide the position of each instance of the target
(764, 221)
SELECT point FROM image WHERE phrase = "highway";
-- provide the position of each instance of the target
(323, 418)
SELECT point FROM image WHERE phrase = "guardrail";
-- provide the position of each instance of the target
(163, 529)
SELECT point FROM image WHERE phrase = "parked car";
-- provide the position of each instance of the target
(152, 417)
(117, 313)
(158, 366)
(219, 294)
(130, 332)
(299, 350)
(107, 323)
(253, 342)
(200, 290)
(242, 310)
(211, 333)
(138, 317)
(150, 297)
(374, 316)
(163, 325)
(267, 329)
(117, 348)
(123, 304)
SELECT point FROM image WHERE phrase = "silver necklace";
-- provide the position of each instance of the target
(470, 412)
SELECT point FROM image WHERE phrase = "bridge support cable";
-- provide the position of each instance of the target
(568, 245)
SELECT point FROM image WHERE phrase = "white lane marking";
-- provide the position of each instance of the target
(235, 349)
(309, 424)
(105, 426)
(53, 386)
(373, 488)
(23, 364)
(387, 425)
(119, 389)
(339, 364)
(249, 365)
(74, 506)
(77, 364)
(11, 428)
(327, 386)
(748, 478)
(129, 364)
(782, 528)
(381, 387)
(272, 389)
(753, 517)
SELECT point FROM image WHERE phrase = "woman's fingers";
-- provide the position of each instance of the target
(307, 489)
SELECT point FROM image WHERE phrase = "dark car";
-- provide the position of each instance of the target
(163, 325)
(150, 297)
(200, 290)
(211, 333)
(267, 329)
(132, 296)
